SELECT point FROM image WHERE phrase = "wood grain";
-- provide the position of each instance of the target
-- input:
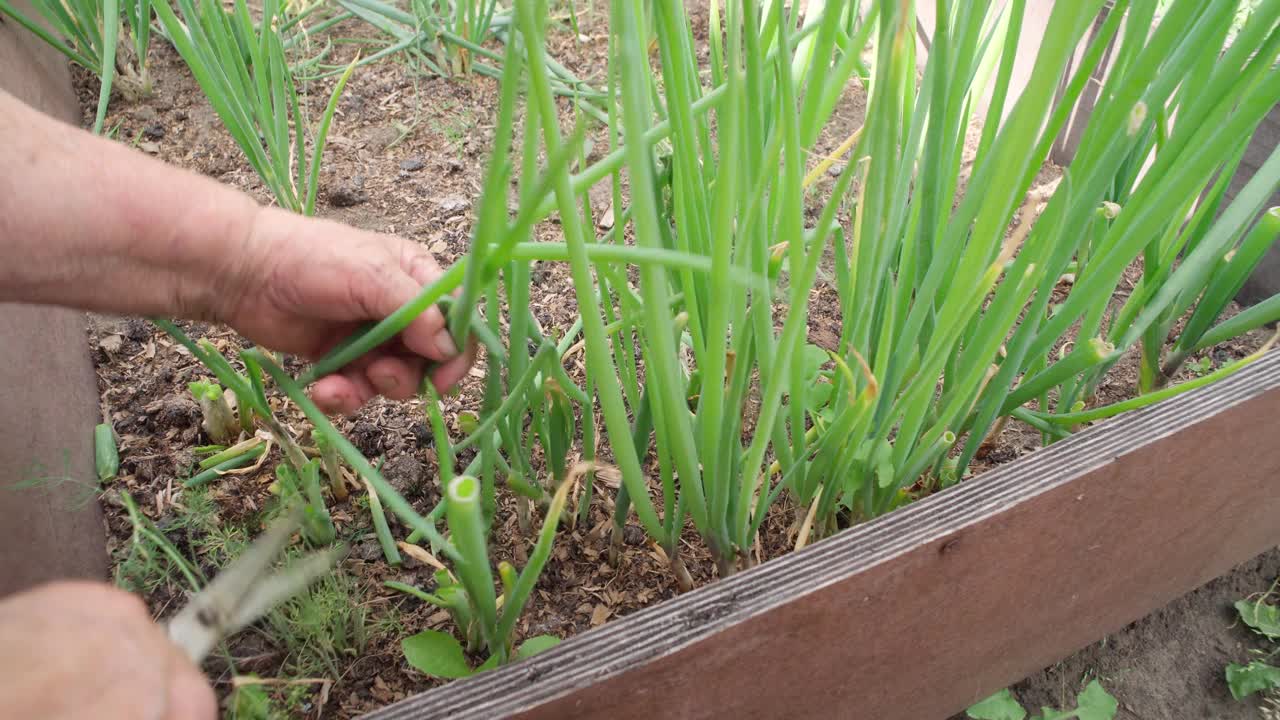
(50, 519)
(918, 614)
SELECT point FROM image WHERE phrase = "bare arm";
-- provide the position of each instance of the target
(89, 223)
(86, 222)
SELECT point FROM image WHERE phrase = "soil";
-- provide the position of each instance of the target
(1170, 663)
(406, 156)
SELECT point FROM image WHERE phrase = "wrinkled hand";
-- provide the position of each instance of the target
(139, 237)
(302, 285)
(81, 650)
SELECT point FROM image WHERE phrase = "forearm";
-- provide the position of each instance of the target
(89, 223)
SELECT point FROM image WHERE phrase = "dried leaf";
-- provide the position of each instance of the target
(420, 554)
(600, 614)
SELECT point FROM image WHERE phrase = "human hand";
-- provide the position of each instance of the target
(140, 237)
(82, 649)
(302, 285)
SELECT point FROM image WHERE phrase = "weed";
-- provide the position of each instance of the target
(1259, 675)
(150, 559)
(39, 476)
(1093, 703)
(320, 627)
(1200, 367)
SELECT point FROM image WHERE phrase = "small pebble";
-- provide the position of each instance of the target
(367, 551)
(412, 164)
(452, 204)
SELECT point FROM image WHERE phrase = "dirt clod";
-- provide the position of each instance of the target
(175, 412)
(137, 330)
(366, 551)
(378, 138)
(633, 535)
(367, 437)
(348, 194)
(406, 475)
(421, 435)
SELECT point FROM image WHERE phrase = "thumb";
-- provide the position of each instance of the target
(395, 285)
(190, 697)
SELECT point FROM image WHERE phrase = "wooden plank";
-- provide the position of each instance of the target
(33, 71)
(48, 390)
(930, 608)
(1265, 280)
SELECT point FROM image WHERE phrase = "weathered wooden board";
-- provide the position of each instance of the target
(920, 613)
(1265, 280)
(50, 527)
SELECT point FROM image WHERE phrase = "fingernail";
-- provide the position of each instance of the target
(444, 343)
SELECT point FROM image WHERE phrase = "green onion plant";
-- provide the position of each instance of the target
(106, 454)
(433, 37)
(967, 298)
(242, 68)
(954, 314)
(87, 32)
(218, 419)
(381, 528)
(486, 619)
(332, 469)
(215, 470)
(469, 20)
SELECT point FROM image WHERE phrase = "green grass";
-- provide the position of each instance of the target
(454, 127)
(151, 559)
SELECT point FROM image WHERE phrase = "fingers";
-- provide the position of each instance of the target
(87, 649)
(342, 394)
(449, 374)
(396, 378)
(427, 335)
(395, 370)
(190, 697)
